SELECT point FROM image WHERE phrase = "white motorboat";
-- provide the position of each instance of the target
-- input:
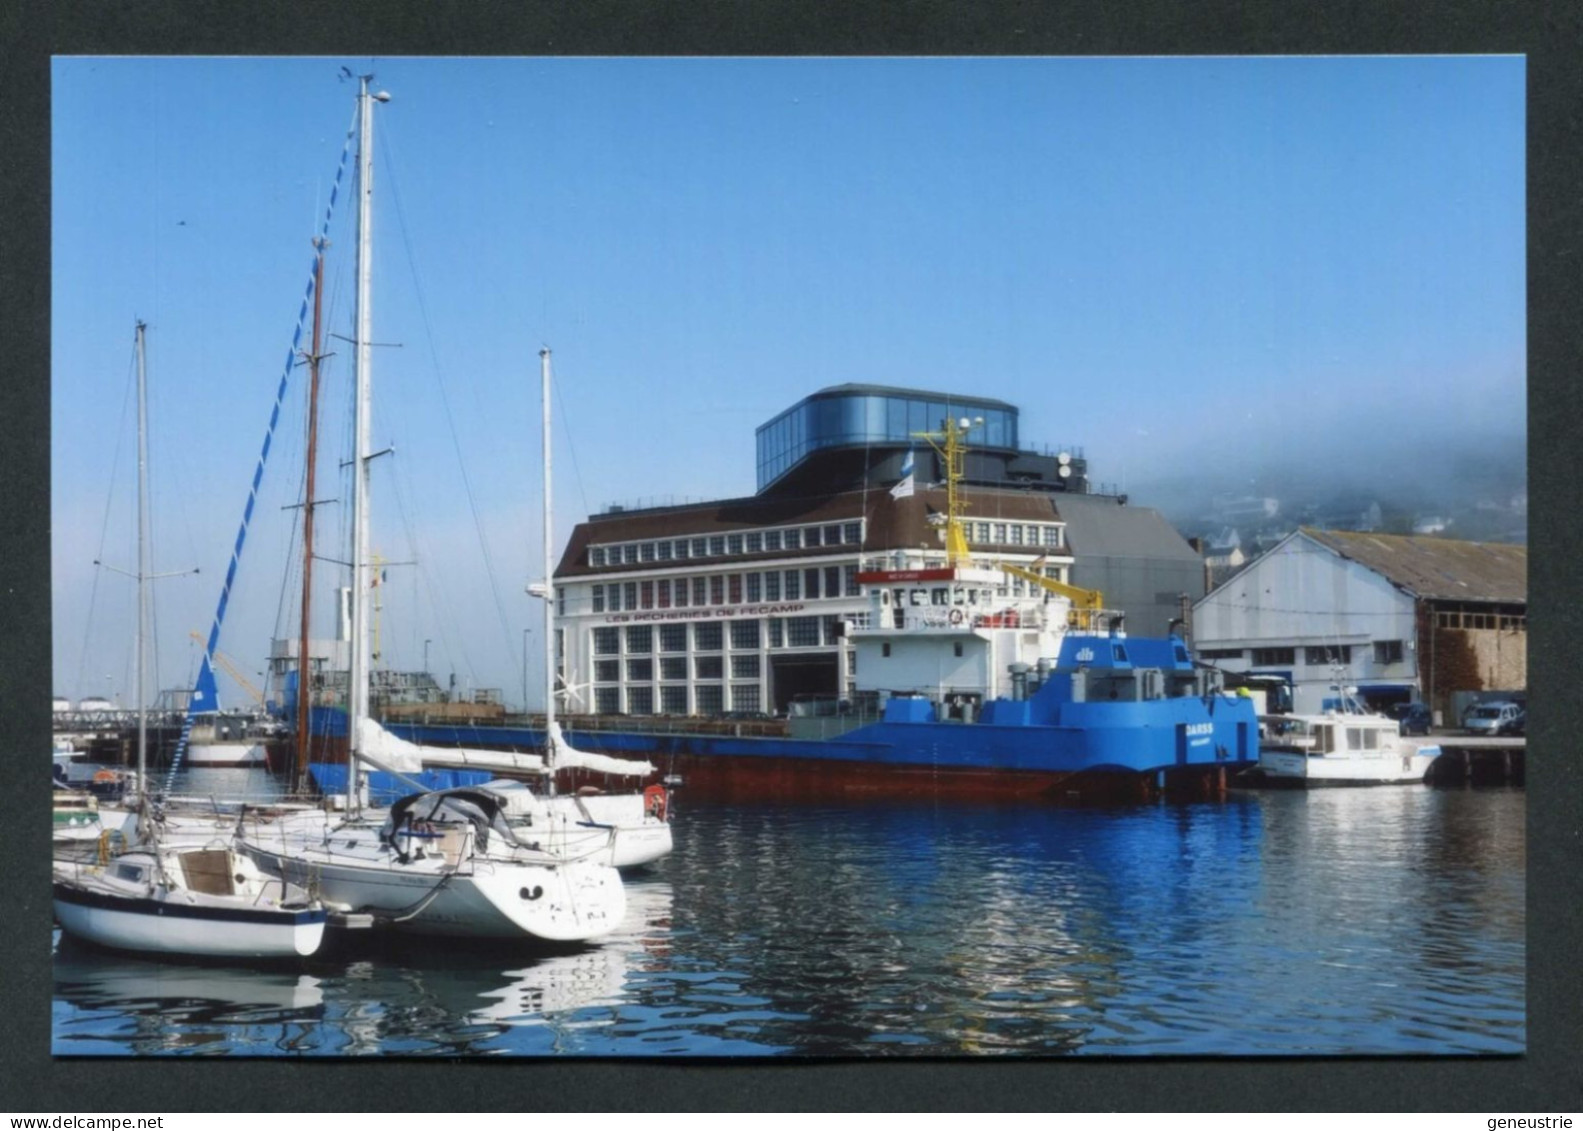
(1346, 747)
(203, 901)
(225, 754)
(446, 862)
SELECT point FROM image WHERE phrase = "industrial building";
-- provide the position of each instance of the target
(738, 606)
(1402, 619)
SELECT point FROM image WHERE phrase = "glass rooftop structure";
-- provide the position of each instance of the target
(858, 416)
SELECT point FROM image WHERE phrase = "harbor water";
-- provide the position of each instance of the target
(1347, 921)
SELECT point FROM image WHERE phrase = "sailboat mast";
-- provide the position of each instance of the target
(142, 562)
(549, 568)
(304, 697)
(358, 674)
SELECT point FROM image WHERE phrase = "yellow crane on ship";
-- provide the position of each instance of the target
(1088, 605)
(230, 669)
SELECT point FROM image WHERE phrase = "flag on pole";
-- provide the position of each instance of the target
(904, 489)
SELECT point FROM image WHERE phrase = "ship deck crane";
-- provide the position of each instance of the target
(230, 669)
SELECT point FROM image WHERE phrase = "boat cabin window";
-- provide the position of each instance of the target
(1324, 739)
(939, 596)
(958, 596)
(917, 597)
(1354, 738)
(130, 872)
(1371, 738)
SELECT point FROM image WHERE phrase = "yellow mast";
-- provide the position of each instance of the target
(948, 442)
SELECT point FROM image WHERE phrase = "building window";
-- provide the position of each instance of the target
(717, 589)
(1327, 654)
(832, 535)
(1016, 534)
(640, 700)
(599, 598)
(734, 589)
(646, 552)
(745, 696)
(629, 553)
(717, 545)
(810, 581)
(802, 632)
(849, 577)
(607, 700)
(709, 667)
(832, 581)
(614, 592)
(673, 700)
(754, 588)
(1263, 657)
(1387, 651)
(744, 634)
(708, 698)
(980, 531)
(673, 638)
(673, 668)
(810, 536)
(681, 548)
(793, 585)
(662, 593)
(733, 543)
(852, 533)
(662, 550)
(607, 641)
(776, 633)
(1220, 654)
(645, 594)
(793, 538)
(640, 638)
(640, 670)
(772, 539)
(755, 542)
(700, 590)
(700, 547)
(957, 648)
(1052, 535)
(631, 595)
(680, 589)
(745, 667)
(772, 585)
(596, 556)
(708, 637)
(607, 671)
(832, 630)
(1000, 533)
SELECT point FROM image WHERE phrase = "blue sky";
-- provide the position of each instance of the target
(1166, 262)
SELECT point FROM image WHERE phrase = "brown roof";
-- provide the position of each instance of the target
(892, 523)
(1437, 568)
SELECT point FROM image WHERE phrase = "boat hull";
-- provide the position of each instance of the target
(170, 926)
(482, 899)
(226, 754)
(1305, 770)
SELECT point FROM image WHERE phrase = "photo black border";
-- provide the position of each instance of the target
(1548, 1077)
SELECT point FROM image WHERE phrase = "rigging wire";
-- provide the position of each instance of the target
(104, 526)
(440, 384)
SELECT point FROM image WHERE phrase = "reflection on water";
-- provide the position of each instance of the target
(1346, 921)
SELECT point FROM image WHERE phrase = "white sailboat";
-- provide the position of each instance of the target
(188, 898)
(443, 862)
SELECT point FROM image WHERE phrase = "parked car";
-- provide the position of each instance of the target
(1488, 719)
(1517, 726)
(1411, 718)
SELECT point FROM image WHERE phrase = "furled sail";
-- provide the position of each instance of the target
(388, 752)
(568, 757)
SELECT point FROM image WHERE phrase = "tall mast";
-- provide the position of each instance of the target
(142, 564)
(549, 567)
(304, 697)
(358, 674)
